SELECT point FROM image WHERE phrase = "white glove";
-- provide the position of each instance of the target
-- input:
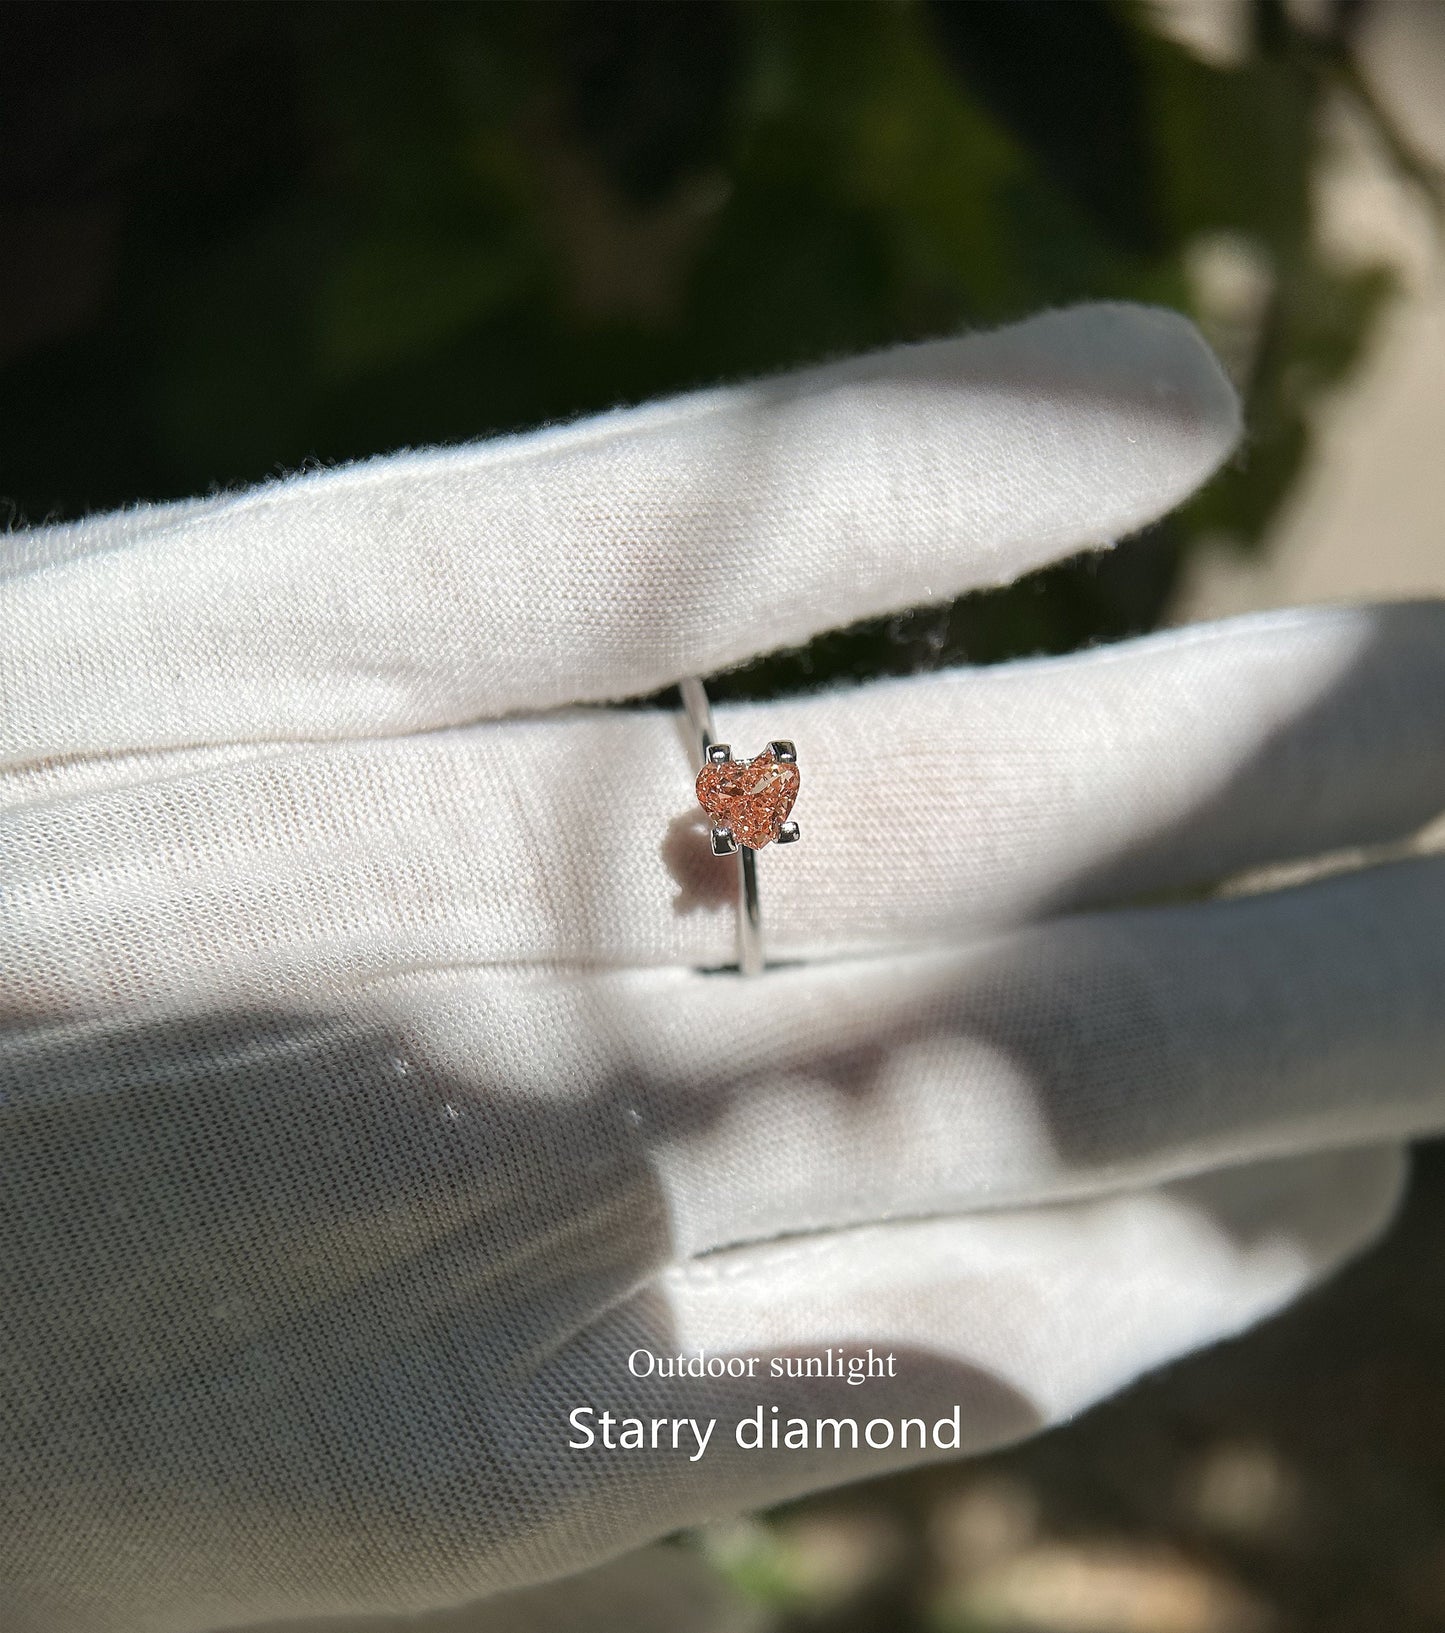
(363, 1104)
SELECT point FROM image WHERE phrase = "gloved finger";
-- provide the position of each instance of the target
(1079, 1056)
(605, 559)
(379, 1412)
(1083, 1055)
(997, 1325)
(931, 808)
(983, 798)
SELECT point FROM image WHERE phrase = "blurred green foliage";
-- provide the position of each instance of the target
(242, 239)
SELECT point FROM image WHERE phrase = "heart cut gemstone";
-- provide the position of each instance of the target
(751, 797)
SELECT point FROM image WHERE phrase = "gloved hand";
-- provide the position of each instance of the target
(364, 1099)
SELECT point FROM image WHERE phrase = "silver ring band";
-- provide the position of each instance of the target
(750, 922)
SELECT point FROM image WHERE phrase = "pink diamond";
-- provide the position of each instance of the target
(751, 797)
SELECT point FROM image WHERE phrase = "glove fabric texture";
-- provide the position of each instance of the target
(369, 1086)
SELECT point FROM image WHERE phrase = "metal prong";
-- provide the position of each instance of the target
(783, 750)
(787, 833)
(723, 842)
(719, 754)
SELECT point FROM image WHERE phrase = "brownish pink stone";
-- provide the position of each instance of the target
(752, 797)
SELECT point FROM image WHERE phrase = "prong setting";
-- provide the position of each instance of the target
(784, 750)
(724, 842)
(719, 753)
(788, 833)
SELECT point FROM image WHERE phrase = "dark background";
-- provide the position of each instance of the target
(240, 240)
(245, 239)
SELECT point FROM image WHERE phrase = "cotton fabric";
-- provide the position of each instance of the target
(369, 1084)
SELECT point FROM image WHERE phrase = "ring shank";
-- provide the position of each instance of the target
(750, 923)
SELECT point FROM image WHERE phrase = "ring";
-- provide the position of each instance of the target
(748, 802)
